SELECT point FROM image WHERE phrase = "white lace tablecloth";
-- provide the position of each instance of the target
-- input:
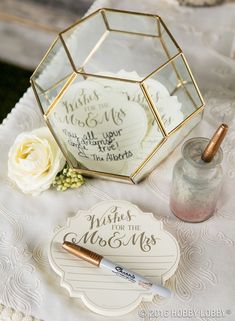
(204, 284)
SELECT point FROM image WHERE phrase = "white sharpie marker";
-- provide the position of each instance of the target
(100, 261)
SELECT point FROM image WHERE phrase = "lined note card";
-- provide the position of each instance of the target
(119, 231)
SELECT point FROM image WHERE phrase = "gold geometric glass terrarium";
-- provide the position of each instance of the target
(117, 94)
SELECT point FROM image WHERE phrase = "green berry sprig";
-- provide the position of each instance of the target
(67, 178)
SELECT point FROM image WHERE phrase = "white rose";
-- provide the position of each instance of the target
(34, 160)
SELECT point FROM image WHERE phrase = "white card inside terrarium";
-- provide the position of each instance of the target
(107, 125)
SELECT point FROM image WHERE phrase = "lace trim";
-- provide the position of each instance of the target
(13, 110)
(9, 314)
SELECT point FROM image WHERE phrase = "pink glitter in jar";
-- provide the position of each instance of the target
(195, 184)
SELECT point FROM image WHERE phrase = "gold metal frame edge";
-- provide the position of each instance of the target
(45, 56)
(64, 152)
(91, 172)
(170, 34)
(161, 67)
(187, 119)
(80, 21)
(37, 97)
(108, 77)
(193, 79)
(130, 12)
(154, 110)
(149, 157)
(60, 94)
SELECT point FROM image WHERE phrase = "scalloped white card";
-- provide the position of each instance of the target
(121, 232)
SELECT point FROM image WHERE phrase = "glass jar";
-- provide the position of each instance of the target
(195, 184)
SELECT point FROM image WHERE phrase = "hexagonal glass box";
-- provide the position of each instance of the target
(117, 94)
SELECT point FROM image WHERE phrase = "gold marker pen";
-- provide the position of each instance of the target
(100, 261)
(214, 144)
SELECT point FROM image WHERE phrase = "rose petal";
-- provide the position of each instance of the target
(34, 160)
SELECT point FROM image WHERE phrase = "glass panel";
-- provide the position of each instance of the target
(176, 97)
(121, 51)
(84, 38)
(129, 22)
(52, 123)
(52, 74)
(189, 86)
(106, 125)
(170, 144)
(168, 44)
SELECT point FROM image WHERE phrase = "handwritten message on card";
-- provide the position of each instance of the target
(108, 125)
(100, 126)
